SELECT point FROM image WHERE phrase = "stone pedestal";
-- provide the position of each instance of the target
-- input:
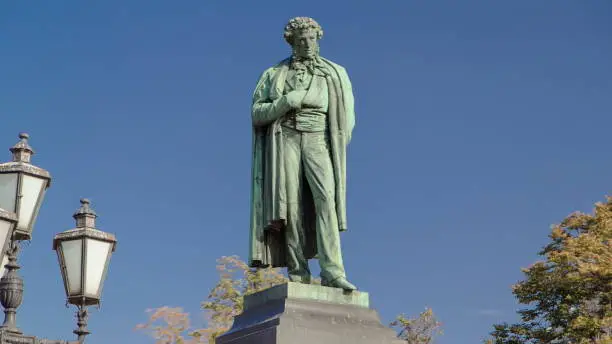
(295, 313)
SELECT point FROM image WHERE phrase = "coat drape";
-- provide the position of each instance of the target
(268, 194)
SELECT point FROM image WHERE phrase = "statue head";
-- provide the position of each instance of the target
(303, 34)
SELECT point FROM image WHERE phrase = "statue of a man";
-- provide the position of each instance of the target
(303, 116)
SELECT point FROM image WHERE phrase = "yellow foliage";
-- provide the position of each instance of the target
(420, 330)
(569, 293)
(169, 325)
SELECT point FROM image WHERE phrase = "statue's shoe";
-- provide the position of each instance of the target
(339, 282)
(305, 279)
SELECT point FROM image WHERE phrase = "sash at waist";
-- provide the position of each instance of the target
(308, 120)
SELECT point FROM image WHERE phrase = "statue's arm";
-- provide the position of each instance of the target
(265, 111)
(349, 104)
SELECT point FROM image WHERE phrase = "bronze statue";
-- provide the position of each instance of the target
(303, 117)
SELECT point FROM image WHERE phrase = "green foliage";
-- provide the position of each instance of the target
(169, 325)
(569, 292)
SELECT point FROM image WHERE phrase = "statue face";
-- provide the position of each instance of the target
(305, 44)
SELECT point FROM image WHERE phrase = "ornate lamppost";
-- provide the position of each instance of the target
(83, 253)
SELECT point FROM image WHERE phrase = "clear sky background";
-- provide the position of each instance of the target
(479, 124)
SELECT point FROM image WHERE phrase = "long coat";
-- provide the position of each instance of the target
(268, 194)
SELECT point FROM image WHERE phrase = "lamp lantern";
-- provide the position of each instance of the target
(22, 187)
(84, 254)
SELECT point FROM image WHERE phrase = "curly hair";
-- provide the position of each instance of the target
(301, 23)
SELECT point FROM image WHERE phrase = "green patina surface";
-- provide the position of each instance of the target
(312, 292)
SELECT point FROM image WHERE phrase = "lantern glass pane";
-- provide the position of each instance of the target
(3, 270)
(97, 256)
(31, 189)
(5, 229)
(8, 191)
(72, 252)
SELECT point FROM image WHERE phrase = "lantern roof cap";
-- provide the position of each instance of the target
(85, 218)
(84, 232)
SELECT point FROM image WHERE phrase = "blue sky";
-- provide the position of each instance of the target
(479, 124)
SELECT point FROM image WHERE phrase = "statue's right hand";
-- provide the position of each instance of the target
(294, 99)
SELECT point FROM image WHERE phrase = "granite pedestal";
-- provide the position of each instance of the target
(295, 313)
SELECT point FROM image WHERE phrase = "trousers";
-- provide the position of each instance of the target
(307, 160)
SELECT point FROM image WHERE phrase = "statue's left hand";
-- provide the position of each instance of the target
(294, 99)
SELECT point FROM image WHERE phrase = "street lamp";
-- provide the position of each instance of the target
(22, 189)
(84, 253)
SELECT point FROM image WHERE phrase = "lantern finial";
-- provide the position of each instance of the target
(22, 152)
(85, 216)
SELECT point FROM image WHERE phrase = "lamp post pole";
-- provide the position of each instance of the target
(82, 331)
(11, 290)
(22, 189)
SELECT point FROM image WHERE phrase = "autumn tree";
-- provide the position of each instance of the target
(417, 330)
(168, 325)
(225, 301)
(171, 325)
(568, 294)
